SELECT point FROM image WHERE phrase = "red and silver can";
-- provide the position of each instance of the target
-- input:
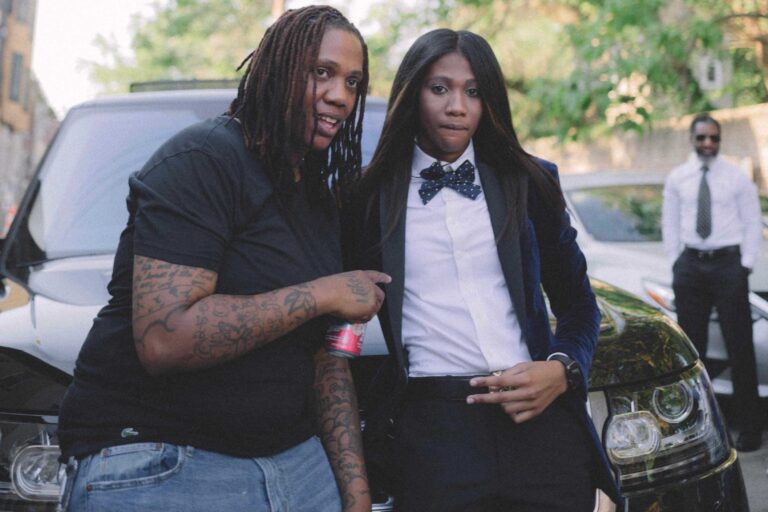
(345, 339)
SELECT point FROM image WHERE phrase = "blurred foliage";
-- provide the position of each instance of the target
(184, 39)
(576, 69)
(639, 61)
(620, 64)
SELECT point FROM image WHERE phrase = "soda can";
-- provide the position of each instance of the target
(345, 339)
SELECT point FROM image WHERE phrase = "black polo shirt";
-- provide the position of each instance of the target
(204, 200)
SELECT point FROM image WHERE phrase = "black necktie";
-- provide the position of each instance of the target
(462, 180)
(704, 210)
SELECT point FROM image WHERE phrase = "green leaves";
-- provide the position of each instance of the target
(184, 39)
(575, 68)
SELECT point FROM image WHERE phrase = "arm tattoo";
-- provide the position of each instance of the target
(301, 301)
(175, 307)
(339, 425)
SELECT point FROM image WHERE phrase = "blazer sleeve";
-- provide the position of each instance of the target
(564, 279)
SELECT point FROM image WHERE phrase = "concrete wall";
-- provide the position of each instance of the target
(745, 142)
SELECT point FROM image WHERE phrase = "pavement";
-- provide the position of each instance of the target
(753, 467)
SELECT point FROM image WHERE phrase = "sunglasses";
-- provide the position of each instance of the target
(713, 138)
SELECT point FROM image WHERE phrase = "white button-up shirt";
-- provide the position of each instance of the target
(736, 216)
(458, 317)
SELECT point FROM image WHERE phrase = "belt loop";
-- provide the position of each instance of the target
(67, 484)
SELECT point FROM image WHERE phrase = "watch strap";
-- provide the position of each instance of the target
(572, 371)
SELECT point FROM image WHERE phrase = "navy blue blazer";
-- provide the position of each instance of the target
(544, 253)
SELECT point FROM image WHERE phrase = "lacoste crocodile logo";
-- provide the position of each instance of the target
(128, 432)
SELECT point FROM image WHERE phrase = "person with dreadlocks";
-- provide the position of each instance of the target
(470, 227)
(204, 384)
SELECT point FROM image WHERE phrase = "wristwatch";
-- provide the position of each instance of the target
(572, 371)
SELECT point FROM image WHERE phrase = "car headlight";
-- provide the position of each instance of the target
(664, 432)
(29, 459)
(37, 474)
(660, 293)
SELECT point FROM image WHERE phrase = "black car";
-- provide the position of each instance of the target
(650, 397)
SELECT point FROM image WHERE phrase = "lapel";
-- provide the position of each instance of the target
(393, 263)
(509, 246)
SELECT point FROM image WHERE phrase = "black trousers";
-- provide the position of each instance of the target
(701, 283)
(454, 457)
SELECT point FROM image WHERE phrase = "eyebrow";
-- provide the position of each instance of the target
(449, 79)
(328, 63)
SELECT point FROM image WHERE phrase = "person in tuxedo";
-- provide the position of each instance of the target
(486, 405)
(712, 231)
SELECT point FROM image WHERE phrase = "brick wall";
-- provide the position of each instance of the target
(17, 47)
(20, 152)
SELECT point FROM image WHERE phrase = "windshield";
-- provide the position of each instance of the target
(77, 203)
(630, 213)
(80, 206)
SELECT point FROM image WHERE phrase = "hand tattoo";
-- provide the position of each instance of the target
(358, 289)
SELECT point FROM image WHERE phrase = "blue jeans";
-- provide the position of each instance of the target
(167, 478)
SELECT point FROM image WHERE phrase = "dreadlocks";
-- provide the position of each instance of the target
(269, 103)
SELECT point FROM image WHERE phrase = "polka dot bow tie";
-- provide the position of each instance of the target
(461, 180)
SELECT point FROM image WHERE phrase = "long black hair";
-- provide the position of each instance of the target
(269, 102)
(495, 141)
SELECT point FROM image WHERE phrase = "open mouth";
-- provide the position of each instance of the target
(328, 119)
(326, 125)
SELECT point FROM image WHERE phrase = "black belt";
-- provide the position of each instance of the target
(711, 254)
(445, 388)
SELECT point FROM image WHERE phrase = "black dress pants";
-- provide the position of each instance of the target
(721, 282)
(454, 457)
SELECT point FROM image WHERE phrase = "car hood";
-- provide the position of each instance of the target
(79, 280)
(637, 342)
(627, 264)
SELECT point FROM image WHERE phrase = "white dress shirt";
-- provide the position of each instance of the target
(736, 217)
(458, 317)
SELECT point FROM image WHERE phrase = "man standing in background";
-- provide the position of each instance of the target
(711, 225)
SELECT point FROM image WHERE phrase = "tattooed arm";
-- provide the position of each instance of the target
(180, 323)
(339, 427)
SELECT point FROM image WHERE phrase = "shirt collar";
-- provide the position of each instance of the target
(698, 162)
(421, 160)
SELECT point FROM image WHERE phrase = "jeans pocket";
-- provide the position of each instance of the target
(134, 465)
